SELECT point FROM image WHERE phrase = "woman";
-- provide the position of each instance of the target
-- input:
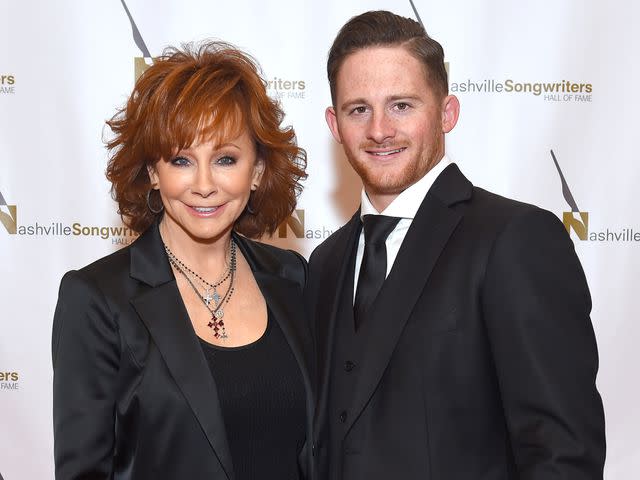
(183, 356)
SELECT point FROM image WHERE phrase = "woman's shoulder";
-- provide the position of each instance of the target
(277, 261)
(112, 269)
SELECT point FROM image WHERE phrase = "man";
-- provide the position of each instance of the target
(475, 358)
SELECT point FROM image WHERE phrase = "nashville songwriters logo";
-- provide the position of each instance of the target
(415, 12)
(551, 91)
(140, 64)
(9, 381)
(7, 85)
(576, 221)
(278, 88)
(119, 235)
(560, 91)
(295, 224)
(9, 218)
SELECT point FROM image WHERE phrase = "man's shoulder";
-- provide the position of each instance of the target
(454, 190)
(495, 214)
(328, 246)
(495, 204)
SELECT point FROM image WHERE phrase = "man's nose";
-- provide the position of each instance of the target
(381, 127)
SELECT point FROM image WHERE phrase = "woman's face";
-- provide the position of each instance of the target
(205, 187)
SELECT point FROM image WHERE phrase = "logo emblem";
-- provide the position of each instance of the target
(140, 64)
(415, 11)
(9, 220)
(575, 219)
(295, 223)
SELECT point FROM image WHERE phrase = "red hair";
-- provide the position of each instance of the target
(213, 91)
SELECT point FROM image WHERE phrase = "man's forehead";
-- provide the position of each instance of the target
(384, 72)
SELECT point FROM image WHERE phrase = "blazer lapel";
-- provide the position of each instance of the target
(285, 300)
(429, 232)
(331, 287)
(163, 312)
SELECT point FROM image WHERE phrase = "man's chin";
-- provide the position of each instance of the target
(387, 184)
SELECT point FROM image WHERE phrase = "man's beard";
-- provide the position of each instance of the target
(391, 181)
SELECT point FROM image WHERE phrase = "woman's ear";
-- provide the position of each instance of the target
(258, 171)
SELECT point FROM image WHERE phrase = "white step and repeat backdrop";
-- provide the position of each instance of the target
(549, 94)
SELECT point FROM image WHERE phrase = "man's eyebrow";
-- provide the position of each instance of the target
(349, 103)
(393, 98)
(408, 96)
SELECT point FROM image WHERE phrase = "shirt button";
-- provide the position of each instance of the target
(343, 416)
(349, 365)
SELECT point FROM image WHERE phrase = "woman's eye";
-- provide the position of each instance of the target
(226, 160)
(180, 162)
(402, 106)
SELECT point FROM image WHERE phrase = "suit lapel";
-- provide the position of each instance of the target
(163, 312)
(333, 285)
(426, 238)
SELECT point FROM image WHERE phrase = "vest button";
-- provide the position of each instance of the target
(349, 365)
(343, 416)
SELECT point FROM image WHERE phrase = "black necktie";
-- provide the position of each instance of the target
(374, 263)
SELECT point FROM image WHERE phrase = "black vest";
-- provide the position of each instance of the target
(348, 346)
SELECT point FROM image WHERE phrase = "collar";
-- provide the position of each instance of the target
(407, 203)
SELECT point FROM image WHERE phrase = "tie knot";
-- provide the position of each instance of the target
(378, 227)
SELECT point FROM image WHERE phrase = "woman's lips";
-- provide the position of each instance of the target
(205, 212)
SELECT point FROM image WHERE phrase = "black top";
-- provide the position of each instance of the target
(263, 403)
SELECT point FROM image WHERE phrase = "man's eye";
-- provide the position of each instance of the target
(180, 162)
(226, 160)
(402, 106)
(359, 110)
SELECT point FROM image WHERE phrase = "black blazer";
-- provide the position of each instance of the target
(479, 358)
(133, 396)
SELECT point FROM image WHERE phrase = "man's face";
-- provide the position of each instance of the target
(389, 120)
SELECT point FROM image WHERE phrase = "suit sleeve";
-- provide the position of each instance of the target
(536, 305)
(85, 351)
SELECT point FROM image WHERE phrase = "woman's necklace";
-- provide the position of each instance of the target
(211, 292)
(217, 312)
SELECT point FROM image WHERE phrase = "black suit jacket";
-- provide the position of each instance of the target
(133, 396)
(479, 358)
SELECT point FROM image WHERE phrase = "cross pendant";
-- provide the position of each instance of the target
(208, 297)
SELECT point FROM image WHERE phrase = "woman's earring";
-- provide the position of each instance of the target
(248, 208)
(156, 211)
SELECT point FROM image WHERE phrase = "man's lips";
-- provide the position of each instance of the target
(385, 152)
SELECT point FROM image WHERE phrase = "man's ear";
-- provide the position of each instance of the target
(332, 121)
(450, 113)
